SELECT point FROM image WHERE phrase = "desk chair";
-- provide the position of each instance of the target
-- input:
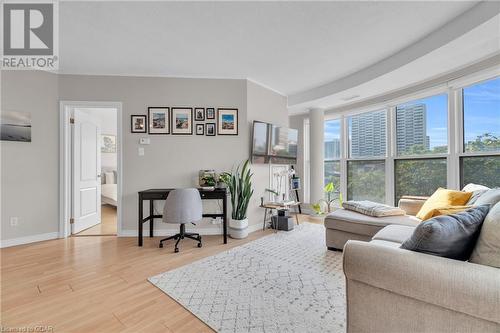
(181, 207)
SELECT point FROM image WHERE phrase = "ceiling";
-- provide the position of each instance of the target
(299, 49)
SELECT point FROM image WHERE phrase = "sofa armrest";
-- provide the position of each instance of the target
(411, 204)
(456, 285)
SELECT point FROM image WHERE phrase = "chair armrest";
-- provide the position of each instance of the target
(457, 285)
(411, 204)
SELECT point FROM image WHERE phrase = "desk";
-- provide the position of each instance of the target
(162, 194)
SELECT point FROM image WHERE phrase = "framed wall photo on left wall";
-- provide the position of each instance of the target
(138, 123)
(159, 120)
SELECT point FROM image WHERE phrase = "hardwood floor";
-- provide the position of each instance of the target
(107, 226)
(99, 284)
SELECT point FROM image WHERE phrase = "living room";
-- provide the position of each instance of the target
(277, 166)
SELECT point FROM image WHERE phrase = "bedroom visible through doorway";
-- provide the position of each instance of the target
(99, 124)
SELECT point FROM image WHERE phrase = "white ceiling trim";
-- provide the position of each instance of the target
(474, 17)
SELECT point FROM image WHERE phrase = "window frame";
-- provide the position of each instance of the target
(455, 129)
(459, 95)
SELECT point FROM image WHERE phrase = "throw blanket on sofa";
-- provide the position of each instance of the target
(372, 208)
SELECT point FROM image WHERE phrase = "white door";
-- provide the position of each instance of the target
(86, 171)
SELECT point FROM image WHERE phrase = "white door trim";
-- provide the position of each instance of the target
(65, 161)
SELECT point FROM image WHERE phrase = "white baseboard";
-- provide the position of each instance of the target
(215, 230)
(28, 239)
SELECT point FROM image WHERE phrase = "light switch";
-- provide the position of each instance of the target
(144, 141)
(141, 151)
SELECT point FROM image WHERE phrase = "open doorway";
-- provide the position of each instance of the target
(91, 177)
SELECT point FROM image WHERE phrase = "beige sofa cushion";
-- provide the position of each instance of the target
(394, 233)
(487, 249)
(357, 223)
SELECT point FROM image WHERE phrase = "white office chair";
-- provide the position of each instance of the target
(181, 207)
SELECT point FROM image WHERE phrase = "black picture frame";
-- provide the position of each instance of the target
(220, 123)
(164, 109)
(210, 113)
(174, 130)
(144, 121)
(200, 129)
(202, 110)
(214, 128)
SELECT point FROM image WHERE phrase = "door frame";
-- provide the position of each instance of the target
(65, 161)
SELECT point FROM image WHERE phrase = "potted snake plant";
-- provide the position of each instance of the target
(239, 184)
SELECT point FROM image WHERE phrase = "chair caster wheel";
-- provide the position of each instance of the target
(199, 244)
(161, 245)
(176, 250)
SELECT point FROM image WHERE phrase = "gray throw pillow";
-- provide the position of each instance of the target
(450, 236)
(487, 250)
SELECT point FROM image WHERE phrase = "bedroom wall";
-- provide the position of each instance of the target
(108, 121)
(29, 170)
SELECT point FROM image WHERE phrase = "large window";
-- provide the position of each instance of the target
(367, 150)
(482, 116)
(366, 180)
(419, 176)
(332, 152)
(409, 148)
(480, 161)
(367, 134)
(421, 126)
(484, 170)
(421, 130)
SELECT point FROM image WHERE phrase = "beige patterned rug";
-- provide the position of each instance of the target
(284, 282)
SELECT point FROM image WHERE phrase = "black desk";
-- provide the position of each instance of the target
(162, 194)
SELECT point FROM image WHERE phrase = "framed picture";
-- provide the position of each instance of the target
(138, 123)
(210, 130)
(210, 113)
(182, 121)
(159, 120)
(16, 126)
(199, 114)
(200, 129)
(227, 120)
(108, 143)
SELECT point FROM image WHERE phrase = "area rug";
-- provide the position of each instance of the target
(283, 282)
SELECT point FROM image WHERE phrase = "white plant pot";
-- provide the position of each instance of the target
(238, 228)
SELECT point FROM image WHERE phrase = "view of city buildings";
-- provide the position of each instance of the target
(368, 134)
(411, 128)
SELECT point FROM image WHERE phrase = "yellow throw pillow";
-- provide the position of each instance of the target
(442, 198)
(448, 210)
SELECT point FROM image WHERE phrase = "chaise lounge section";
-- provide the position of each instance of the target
(343, 225)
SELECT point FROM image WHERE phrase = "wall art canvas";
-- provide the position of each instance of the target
(210, 113)
(159, 120)
(199, 114)
(108, 143)
(138, 123)
(182, 121)
(227, 120)
(15, 126)
(210, 129)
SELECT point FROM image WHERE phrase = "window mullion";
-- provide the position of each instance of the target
(344, 143)
(390, 154)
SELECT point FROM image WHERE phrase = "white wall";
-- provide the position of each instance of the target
(169, 161)
(264, 105)
(108, 121)
(29, 171)
(297, 122)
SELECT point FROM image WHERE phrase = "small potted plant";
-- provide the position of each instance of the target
(239, 184)
(330, 190)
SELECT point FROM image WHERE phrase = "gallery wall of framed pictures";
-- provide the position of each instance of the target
(163, 120)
